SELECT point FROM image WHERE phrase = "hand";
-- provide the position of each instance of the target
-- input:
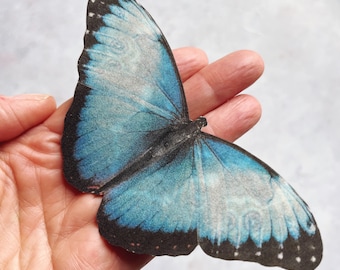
(44, 222)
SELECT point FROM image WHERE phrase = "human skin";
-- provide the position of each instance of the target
(47, 224)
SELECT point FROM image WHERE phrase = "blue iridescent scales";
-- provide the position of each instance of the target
(167, 186)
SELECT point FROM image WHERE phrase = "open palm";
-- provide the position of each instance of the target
(45, 223)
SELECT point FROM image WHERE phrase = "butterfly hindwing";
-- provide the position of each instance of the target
(128, 95)
(254, 214)
(155, 211)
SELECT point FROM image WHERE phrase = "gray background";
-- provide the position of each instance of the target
(40, 42)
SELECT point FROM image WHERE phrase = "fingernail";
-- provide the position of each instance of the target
(31, 97)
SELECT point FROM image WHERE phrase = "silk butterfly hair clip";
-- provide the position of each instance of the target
(166, 185)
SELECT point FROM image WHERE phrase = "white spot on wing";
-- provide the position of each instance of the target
(280, 255)
(312, 227)
(298, 259)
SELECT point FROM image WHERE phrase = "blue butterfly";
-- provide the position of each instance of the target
(167, 186)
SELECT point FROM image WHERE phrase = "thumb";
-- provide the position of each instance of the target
(20, 113)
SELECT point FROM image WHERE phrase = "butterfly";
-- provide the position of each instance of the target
(166, 185)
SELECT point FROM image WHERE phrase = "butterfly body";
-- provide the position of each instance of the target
(179, 136)
(167, 186)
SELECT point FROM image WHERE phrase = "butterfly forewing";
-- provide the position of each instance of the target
(128, 94)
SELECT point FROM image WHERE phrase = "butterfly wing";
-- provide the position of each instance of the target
(217, 195)
(208, 192)
(128, 95)
(249, 212)
(155, 211)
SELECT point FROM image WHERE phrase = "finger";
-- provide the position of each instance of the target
(189, 60)
(221, 80)
(234, 118)
(20, 113)
(55, 123)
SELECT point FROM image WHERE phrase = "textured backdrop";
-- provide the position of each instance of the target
(41, 40)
